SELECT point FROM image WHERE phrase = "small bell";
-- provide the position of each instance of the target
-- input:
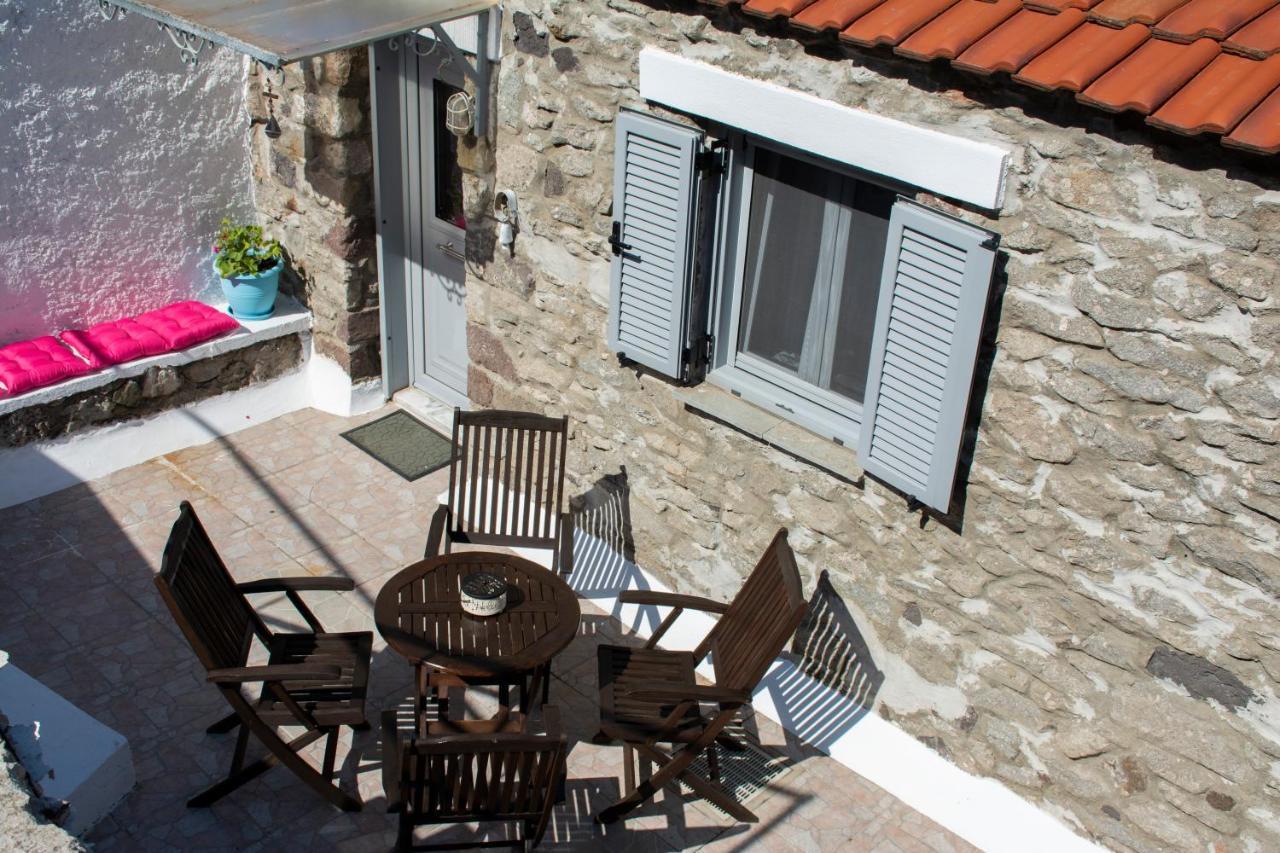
(272, 127)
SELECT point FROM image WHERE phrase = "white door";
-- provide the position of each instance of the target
(435, 229)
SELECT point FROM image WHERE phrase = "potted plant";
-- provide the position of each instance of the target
(249, 264)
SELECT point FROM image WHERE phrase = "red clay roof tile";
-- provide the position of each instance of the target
(1212, 18)
(1018, 40)
(1192, 66)
(1260, 131)
(1083, 56)
(893, 21)
(1220, 96)
(1150, 75)
(947, 35)
(775, 8)
(1259, 38)
(833, 14)
(1121, 13)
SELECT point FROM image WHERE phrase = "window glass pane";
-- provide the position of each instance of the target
(815, 247)
(448, 175)
(859, 290)
(784, 242)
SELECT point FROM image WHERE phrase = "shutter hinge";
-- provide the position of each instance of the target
(710, 159)
(992, 242)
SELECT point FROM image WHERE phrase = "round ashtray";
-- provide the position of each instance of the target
(483, 594)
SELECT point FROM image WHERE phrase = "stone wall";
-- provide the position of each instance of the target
(1097, 628)
(158, 389)
(313, 190)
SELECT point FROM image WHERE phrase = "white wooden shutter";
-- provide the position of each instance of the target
(933, 296)
(655, 191)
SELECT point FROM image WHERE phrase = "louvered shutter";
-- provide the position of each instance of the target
(933, 296)
(655, 191)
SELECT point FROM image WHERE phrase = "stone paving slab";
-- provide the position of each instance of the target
(79, 611)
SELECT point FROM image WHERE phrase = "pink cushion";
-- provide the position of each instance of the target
(36, 363)
(185, 323)
(114, 343)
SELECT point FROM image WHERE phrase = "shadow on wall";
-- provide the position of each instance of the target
(821, 688)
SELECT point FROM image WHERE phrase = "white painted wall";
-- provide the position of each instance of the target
(116, 164)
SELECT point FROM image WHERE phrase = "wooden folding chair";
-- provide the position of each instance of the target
(650, 696)
(506, 485)
(506, 488)
(315, 680)
(474, 770)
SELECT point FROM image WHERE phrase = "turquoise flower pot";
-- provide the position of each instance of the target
(251, 297)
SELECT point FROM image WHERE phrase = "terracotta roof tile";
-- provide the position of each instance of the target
(1083, 56)
(1259, 38)
(1121, 13)
(1260, 131)
(833, 14)
(894, 20)
(1150, 75)
(1018, 40)
(1053, 7)
(1191, 66)
(1212, 18)
(946, 36)
(775, 8)
(1220, 96)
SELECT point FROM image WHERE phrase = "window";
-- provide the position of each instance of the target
(801, 304)
(803, 286)
(448, 173)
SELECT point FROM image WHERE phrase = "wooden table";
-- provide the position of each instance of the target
(419, 613)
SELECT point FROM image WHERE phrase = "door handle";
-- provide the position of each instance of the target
(447, 249)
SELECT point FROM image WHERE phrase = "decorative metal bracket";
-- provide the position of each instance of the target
(110, 11)
(478, 73)
(189, 45)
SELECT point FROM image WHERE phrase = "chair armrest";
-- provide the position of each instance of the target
(277, 672)
(671, 599)
(566, 543)
(391, 760)
(661, 691)
(440, 523)
(299, 584)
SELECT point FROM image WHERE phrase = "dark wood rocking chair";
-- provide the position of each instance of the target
(506, 485)
(506, 488)
(314, 680)
(462, 771)
(650, 696)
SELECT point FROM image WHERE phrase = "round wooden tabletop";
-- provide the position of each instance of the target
(419, 613)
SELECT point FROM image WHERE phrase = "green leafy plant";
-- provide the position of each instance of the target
(244, 250)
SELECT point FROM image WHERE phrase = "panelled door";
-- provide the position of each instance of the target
(434, 244)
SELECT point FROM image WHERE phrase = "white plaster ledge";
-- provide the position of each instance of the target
(71, 757)
(290, 318)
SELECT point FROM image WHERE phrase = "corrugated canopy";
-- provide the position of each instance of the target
(280, 31)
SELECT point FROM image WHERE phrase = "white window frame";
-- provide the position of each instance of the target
(744, 375)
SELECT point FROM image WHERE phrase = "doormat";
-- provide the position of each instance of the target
(402, 443)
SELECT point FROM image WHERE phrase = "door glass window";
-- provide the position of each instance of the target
(448, 174)
(815, 245)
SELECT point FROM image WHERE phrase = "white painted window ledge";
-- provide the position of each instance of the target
(289, 318)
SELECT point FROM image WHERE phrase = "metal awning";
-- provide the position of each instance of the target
(277, 32)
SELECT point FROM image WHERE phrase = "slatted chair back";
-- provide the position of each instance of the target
(759, 621)
(498, 777)
(202, 597)
(506, 480)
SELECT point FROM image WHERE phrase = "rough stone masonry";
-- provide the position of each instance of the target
(1098, 630)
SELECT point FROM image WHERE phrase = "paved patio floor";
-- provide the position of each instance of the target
(79, 611)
